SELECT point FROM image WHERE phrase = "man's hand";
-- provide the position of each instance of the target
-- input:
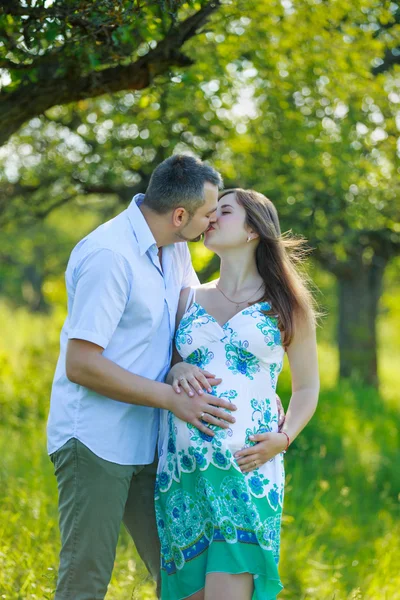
(189, 377)
(202, 410)
(268, 445)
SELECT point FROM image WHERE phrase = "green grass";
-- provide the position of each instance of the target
(341, 527)
(29, 539)
(341, 532)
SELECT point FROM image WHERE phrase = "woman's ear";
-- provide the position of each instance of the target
(252, 235)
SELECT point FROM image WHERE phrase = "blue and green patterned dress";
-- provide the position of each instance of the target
(210, 516)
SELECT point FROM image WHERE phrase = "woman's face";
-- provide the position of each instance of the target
(228, 231)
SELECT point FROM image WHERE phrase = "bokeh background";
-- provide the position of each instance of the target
(299, 100)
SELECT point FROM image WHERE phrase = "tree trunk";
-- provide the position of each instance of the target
(32, 290)
(360, 288)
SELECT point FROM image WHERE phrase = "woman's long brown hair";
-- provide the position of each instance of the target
(278, 258)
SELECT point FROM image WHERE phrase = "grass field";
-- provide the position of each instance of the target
(341, 529)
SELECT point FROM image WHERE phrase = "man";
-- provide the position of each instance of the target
(123, 282)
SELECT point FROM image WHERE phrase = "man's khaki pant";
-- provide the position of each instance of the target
(95, 496)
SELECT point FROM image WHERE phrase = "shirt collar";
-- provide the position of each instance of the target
(141, 230)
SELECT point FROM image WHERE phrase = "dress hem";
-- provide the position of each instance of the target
(278, 581)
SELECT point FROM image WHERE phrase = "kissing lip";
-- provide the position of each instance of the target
(211, 228)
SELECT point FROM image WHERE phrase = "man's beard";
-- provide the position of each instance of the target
(186, 239)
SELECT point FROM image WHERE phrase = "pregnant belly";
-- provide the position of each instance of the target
(254, 414)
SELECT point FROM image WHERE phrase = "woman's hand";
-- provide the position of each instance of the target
(189, 377)
(268, 445)
(281, 413)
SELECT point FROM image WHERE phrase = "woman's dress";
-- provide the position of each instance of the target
(210, 516)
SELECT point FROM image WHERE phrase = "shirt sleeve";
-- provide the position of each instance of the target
(102, 288)
(190, 278)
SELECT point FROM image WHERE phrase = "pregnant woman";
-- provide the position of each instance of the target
(219, 498)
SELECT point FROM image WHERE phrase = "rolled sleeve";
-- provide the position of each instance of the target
(102, 288)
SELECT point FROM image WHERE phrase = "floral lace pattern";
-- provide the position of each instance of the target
(194, 521)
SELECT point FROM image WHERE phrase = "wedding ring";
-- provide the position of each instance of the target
(202, 415)
(255, 464)
(181, 378)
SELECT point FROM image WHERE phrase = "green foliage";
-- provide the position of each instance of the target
(32, 256)
(104, 149)
(28, 353)
(304, 119)
(319, 134)
(79, 36)
(67, 51)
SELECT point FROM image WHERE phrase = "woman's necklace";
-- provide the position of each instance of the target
(234, 301)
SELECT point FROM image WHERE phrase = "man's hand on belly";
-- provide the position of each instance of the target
(201, 410)
(187, 377)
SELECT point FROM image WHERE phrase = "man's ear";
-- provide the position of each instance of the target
(179, 216)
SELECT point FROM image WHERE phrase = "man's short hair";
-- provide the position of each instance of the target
(179, 181)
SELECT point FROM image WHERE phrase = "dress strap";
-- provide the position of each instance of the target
(191, 298)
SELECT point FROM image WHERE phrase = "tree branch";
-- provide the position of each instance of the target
(12, 66)
(34, 98)
(42, 214)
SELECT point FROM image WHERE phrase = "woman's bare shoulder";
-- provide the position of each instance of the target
(204, 288)
(184, 298)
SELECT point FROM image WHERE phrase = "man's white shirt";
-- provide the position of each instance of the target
(120, 298)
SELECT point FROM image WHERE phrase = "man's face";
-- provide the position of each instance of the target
(206, 214)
